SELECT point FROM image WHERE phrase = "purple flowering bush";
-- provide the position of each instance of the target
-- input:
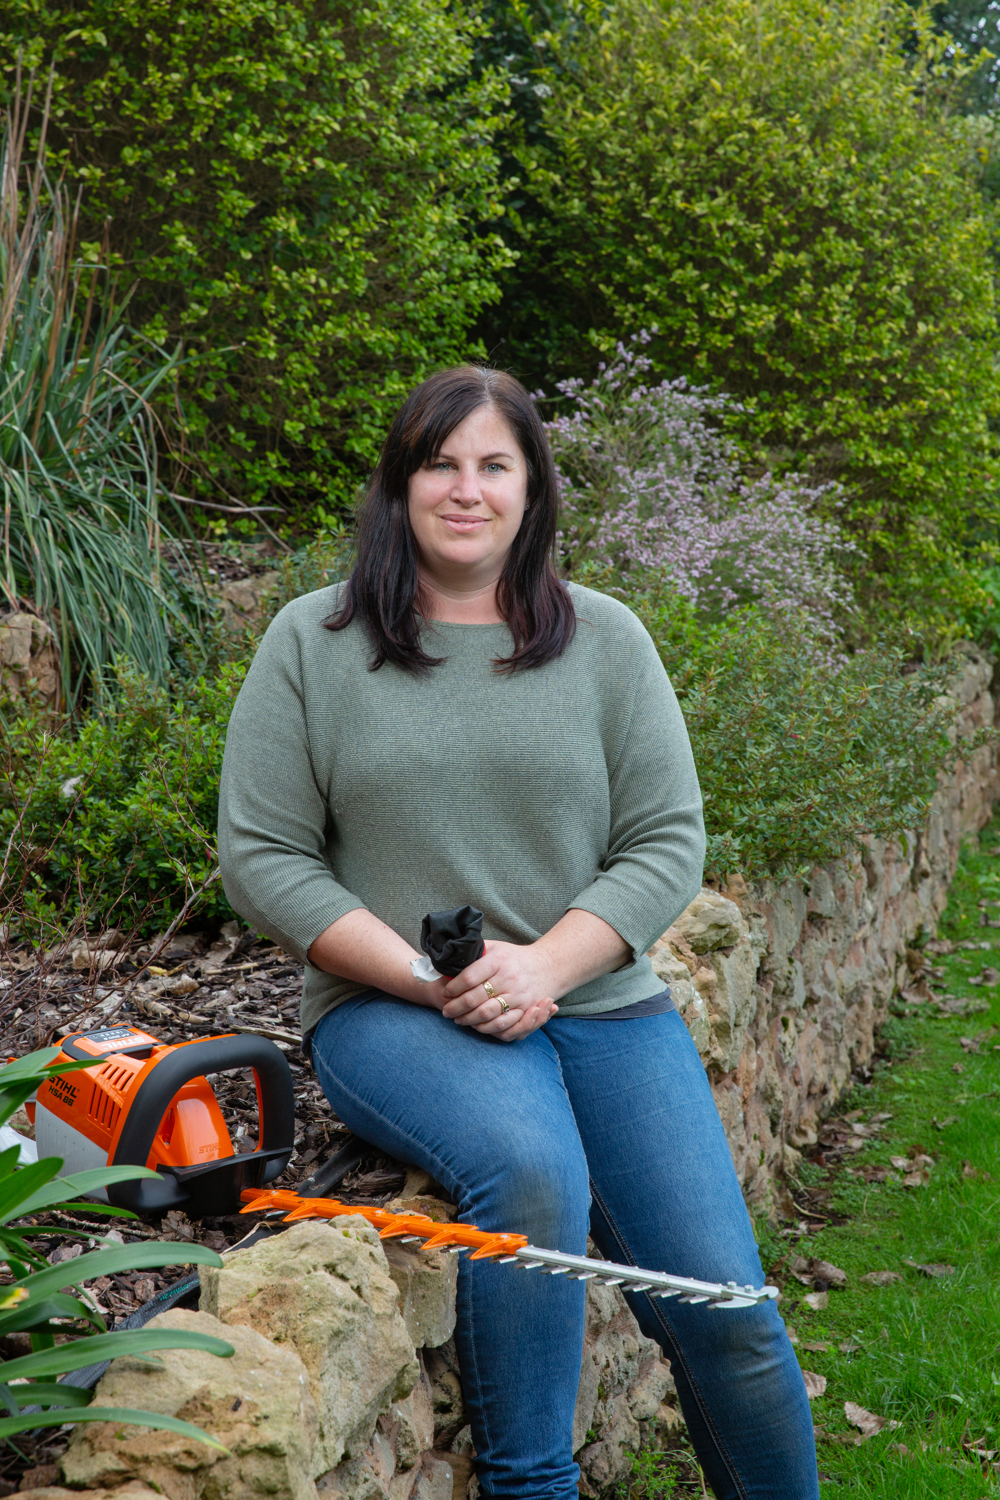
(651, 485)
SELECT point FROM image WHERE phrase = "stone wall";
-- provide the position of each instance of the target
(29, 659)
(784, 986)
(344, 1382)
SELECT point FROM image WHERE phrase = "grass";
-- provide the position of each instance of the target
(925, 1352)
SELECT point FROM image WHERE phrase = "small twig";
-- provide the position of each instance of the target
(232, 510)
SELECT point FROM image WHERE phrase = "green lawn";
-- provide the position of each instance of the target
(923, 1352)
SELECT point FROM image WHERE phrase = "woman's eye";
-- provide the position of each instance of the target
(494, 468)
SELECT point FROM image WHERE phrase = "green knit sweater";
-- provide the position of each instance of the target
(570, 785)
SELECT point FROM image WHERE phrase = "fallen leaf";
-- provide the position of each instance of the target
(866, 1422)
(817, 1300)
(917, 1179)
(935, 1268)
(878, 1119)
(861, 1130)
(901, 1449)
(850, 1346)
(943, 1124)
(881, 1278)
(990, 977)
(968, 1044)
(817, 1348)
(902, 1163)
(824, 1271)
(968, 1170)
(815, 1384)
(958, 1067)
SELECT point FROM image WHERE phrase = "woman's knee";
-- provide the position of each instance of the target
(532, 1184)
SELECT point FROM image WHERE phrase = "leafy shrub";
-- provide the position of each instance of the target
(115, 819)
(650, 485)
(800, 756)
(779, 187)
(83, 529)
(306, 190)
(35, 1303)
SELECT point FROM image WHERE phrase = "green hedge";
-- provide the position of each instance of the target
(307, 192)
(780, 189)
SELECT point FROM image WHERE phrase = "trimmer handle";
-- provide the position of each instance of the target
(152, 1099)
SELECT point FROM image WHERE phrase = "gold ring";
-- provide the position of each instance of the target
(504, 1007)
(490, 990)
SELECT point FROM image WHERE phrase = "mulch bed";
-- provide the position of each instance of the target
(194, 987)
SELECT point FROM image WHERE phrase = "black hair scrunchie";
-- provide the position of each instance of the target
(452, 939)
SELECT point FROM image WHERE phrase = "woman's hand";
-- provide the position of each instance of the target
(520, 975)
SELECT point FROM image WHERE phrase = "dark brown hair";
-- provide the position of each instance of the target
(382, 591)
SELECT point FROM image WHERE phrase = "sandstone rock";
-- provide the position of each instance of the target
(426, 1281)
(325, 1290)
(367, 1477)
(710, 922)
(436, 1480)
(29, 658)
(667, 965)
(257, 1403)
(242, 598)
(441, 1371)
(623, 1381)
(134, 1490)
(408, 1426)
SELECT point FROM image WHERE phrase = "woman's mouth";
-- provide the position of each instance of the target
(464, 525)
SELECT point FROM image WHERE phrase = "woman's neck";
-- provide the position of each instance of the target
(454, 605)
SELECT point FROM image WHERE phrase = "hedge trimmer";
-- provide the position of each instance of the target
(145, 1103)
(507, 1249)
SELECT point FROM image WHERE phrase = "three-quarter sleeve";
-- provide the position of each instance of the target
(273, 818)
(656, 847)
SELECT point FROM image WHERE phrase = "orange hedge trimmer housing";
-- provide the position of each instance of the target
(147, 1104)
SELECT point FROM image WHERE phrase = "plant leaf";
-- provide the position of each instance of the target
(77, 1182)
(120, 1258)
(32, 1313)
(91, 1350)
(11, 1425)
(19, 1187)
(44, 1393)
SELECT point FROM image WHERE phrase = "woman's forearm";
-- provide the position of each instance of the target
(361, 947)
(581, 947)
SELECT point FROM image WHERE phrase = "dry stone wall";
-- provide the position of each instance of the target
(784, 986)
(344, 1383)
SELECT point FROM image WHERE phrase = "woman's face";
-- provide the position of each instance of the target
(467, 502)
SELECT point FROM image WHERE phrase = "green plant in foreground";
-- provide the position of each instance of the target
(82, 531)
(35, 1304)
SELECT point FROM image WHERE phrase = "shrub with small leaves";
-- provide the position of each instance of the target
(651, 485)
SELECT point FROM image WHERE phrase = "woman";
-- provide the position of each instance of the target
(457, 726)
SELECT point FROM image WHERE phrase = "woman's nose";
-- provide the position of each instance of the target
(466, 490)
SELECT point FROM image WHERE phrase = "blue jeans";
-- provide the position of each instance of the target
(610, 1126)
